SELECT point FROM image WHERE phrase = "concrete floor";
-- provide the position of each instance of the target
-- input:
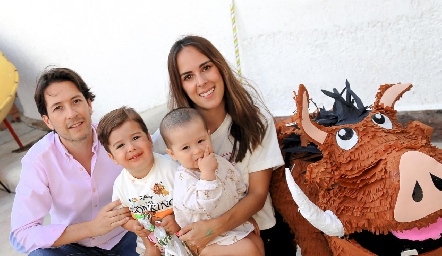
(6, 200)
(10, 168)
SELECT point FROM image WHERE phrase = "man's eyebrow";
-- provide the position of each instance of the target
(59, 102)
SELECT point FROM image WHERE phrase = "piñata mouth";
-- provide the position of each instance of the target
(390, 245)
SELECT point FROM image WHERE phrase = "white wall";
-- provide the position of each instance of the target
(120, 47)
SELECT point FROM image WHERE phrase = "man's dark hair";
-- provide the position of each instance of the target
(56, 75)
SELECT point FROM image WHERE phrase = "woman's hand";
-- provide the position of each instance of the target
(255, 225)
(199, 234)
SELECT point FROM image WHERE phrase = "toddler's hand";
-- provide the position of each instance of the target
(151, 248)
(169, 224)
(139, 229)
(207, 165)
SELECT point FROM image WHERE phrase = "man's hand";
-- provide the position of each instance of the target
(109, 218)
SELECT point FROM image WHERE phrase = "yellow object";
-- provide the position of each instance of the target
(8, 86)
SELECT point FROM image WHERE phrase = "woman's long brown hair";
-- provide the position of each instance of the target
(248, 123)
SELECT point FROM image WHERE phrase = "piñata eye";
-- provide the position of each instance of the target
(346, 138)
(382, 120)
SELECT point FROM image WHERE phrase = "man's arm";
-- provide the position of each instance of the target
(32, 203)
(106, 220)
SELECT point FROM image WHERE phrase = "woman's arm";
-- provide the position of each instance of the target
(202, 232)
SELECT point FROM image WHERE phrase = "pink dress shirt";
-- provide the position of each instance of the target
(53, 182)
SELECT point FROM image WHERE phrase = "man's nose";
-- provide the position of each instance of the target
(71, 112)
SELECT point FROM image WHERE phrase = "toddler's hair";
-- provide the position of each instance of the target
(114, 119)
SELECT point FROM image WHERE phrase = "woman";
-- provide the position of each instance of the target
(242, 131)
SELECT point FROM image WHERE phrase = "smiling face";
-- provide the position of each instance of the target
(188, 142)
(201, 79)
(69, 113)
(131, 148)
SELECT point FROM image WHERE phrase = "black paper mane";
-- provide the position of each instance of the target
(344, 111)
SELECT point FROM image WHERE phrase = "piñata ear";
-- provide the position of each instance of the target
(388, 94)
(304, 122)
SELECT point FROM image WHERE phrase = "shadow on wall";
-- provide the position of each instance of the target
(28, 72)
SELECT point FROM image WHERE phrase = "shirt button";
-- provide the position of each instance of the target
(81, 169)
(93, 190)
(95, 205)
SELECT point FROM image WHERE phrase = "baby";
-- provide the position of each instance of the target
(206, 185)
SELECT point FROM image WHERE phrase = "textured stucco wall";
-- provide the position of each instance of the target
(322, 43)
(120, 48)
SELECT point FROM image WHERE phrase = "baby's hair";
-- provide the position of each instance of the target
(114, 119)
(178, 117)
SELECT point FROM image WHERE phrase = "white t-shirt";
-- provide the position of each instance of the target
(196, 199)
(151, 195)
(268, 155)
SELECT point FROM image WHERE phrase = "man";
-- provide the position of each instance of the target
(69, 175)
